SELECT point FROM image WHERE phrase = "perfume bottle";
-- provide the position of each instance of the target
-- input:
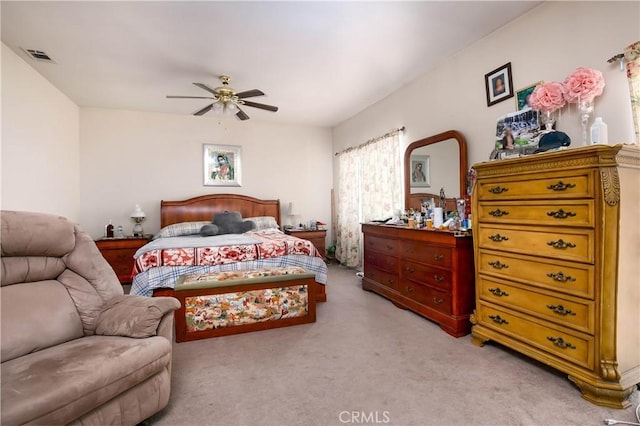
(109, 230)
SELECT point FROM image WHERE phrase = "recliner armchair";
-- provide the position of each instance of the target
(75, 348)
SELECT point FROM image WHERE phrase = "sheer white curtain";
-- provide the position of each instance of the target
(369, 187)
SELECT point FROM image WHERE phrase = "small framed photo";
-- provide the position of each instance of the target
(522, 96)
(420, 171)
(498, 84)
(222, 165)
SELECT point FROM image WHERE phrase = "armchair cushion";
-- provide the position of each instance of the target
(134, 316)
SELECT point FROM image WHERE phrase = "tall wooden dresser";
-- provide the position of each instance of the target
(428, 272)
(557, 246)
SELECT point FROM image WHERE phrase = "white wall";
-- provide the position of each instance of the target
(129, 158)
(40, 142)
(546, 44)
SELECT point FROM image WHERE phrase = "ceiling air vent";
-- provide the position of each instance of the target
(39, 55)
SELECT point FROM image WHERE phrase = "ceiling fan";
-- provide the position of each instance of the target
(226, 100)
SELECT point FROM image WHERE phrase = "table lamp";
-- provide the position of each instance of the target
(138, 217)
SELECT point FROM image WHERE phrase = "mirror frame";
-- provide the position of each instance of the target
(440, 137)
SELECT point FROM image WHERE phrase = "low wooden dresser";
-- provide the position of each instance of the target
(556, 238)
(428, 272)
(119, 253)
(317, 236)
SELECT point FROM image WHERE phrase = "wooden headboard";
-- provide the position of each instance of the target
(204, 207)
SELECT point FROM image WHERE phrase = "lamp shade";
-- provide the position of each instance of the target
(138, 213)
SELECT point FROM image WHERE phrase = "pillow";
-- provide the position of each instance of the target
(181, 229)
(232, 223)
(134, 316)
(264, 222)
(209, 230)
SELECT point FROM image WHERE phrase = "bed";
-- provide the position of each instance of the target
(161, 263)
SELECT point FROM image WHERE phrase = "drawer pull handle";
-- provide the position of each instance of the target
(559, 342)
(409, 270)
(438, 278)
(498, 319)
(561, 244)
(498, 265)
(498, 190)
(560, 277)
(561, 186)
(389, 247)
(560, 214)
(391, 282)
(409, 289)
(497, 238)
(437, 300)
(498, 292)
(438, 257)
(498, 213)
(560, 310)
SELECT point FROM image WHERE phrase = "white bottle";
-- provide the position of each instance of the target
(599, 132)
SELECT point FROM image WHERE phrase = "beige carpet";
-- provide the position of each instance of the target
(367, 362)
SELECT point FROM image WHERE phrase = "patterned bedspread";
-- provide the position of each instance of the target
(161, 267)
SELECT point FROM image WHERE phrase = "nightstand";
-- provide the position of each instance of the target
(119, 253)
(317, 237)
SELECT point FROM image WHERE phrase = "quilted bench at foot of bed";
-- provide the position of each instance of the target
(222, 304)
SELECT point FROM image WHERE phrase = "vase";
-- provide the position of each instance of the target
(585, 107)
(548, 118)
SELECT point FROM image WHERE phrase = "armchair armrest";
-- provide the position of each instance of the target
(134, 316)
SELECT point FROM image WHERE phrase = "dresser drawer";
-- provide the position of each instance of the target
(381, 245)
(423, 253)
(576, 313)
(571, 278)
(571, 244)
(424, 274)
(381, 277)
(438, 300)
(380, 261)
(579, 184)
(560, 342)
(121, 260)
(559, 213)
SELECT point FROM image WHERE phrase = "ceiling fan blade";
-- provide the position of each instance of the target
(189, 97)
(261, 106)
(205, 87)
(249, 94)
(241, 115)
(204, 110)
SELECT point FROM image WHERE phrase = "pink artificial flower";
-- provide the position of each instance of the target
(583, 84)
(547, 97)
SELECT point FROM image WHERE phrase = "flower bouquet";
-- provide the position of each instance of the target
(548, 98)
(581, 87)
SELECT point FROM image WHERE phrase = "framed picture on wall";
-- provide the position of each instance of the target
(522, 96)
(420, 171)
(222, 165)
(498, 84)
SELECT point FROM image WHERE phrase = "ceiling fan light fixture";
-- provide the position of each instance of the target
(231, 108)
(226, 101)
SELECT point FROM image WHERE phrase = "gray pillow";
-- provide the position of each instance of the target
(209, 230)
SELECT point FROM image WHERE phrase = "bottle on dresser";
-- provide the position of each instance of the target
(599, 132)
(108, 230)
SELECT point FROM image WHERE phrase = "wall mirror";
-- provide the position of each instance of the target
(439, 161)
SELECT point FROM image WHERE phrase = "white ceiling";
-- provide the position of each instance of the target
(320, 62)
